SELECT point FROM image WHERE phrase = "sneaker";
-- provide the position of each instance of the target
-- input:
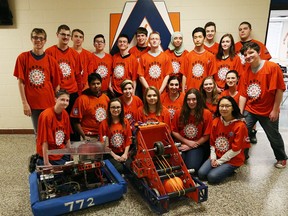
(253, 138)
(280, 164)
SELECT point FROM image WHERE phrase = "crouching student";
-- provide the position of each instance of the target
(228, 139)
(54, 131)
(118, 131)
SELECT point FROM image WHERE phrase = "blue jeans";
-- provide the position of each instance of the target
(215, 175)
(272, 132)
(62, 161)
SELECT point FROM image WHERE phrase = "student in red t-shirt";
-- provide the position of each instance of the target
(38, 74)
(54, 131)
(209, 43)
(117, 129)
(228, 139)
(191, 126)
(231, 86)
(261, 96)
(173, 98)
(209, 93)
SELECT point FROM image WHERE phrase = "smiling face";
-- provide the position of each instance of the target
(62, 101)
(64, 37)
(208, 85)
(128, 91)
(251, 56)
(177, 41)
(123, 43)
(115, 108)
(210, 32)
(38, 40)
(173, 86)
(99, 44)
(77, 38)
(141, 39)
(225, 109)
(226, 43)
(192, 101)
(151, 97)
(231, 79)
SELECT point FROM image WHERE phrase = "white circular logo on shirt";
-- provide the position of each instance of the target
(222, 73)
(36, 77)
(100, 114)
(242, 58)
(65, 68)
(197, 70)
(172, 112)
(155, 71)
(117, 140)
(190, 131)
(102, 70)
(254, 90)
(176, 67)
(119, 71)
(222, 144)
(59, 137)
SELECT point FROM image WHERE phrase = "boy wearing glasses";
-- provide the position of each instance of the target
(38, 75)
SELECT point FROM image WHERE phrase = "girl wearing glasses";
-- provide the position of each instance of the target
(191, 126)
(228, 139)
(118, 131)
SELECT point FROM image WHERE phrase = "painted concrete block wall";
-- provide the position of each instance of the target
(92, 16)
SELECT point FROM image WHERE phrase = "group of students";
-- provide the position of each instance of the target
(197, 94)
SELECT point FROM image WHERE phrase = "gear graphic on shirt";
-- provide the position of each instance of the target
(222, 73)
(117, 140)
(242, 58)
(65, 68)
(36, 77)
(102, 70)
(176, 67)
(172, 112)
(198, 70)
(254, 90)
(100, 114)
(222, 144)
(59, 137)
(119, 71)
(155, 71)
(190, 131)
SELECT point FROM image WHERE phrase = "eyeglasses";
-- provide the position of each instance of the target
(38, 38)
(99, 42)
(64, 35)
(227, 106)
(114, 108)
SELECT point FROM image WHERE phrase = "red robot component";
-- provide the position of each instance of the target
(157, 159)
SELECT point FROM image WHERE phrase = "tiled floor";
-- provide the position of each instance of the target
(256, 189)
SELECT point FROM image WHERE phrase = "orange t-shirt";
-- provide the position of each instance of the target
(123, 68)
(223, 66)
(177, 62)
(155, 69)
(119, 137)
(70, 65)
(138, 53)
(233, 136)
(226, 93)
(54, 131)
(90, 110)
(212, 49)
(192, 131)
(85, 59)
(260, 88)
(172, 106)
(197, 67)
(102, 66)
(40, 77)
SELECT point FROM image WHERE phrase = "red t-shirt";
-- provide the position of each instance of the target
(177, 62)
(85, 58)
(54, 131)
(260, 88)
(102, 66)
(119, 137)
(197, 67)
(155, 69)
(138, 53)
(123, 68)
(70, 65)
(172, 106)
(40, 77)
(233, 136)
(212, 49)
(91, 111)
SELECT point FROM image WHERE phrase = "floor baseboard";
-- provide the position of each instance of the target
(16, 131)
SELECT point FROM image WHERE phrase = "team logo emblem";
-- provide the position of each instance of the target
(222, 144)
(102, 70)
(65, 68)
(100, 114)
(172, 113)
(197, 70)
(37, 77)
(222, 73)
(176, 67)
(119, 71)
(117, 140)
(254, 91)
(190, 131)
(59, 137)
(155, 71)
(242, 58)
(75, 111)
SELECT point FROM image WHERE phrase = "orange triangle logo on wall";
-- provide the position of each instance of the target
(143, 13)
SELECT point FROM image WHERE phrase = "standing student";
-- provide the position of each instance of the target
(125, 66)
(117, 129)
(142, 45)
(191, 126)
(54, 131)
(155, 67)
(102, 63)
(38, 74)
(199, 63)
(228, 139)
(209, 43)
(261, 96)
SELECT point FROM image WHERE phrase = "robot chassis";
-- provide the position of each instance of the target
(157, 159)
